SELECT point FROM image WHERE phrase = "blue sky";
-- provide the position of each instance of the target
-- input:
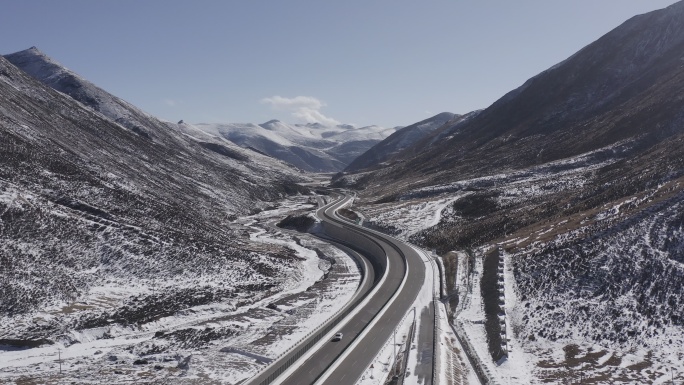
(385, 62)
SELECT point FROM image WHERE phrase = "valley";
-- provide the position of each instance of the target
(537, 240)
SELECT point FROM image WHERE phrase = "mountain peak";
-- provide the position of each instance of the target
(316, 125)
(32, 52)
(36, 63)
(443, 115)
(274, 125)
(402, 138)
(53, 74)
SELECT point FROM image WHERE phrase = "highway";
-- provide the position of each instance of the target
(368, 282)
(345, 361)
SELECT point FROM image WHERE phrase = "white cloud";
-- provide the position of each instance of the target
(305, 108)
(170, 102)
(296, 102)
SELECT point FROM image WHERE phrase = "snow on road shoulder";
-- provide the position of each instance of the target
(452, 365)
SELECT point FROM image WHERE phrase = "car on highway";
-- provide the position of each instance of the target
(337, 337)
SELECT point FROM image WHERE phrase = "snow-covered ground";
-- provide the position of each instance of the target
(590, 296)
(621, 320)
(408, 218)
(215, 341)
(471, 318)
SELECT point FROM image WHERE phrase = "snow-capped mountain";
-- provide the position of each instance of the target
(311, 147)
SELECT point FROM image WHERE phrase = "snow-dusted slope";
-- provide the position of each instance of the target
(50, 72)
(623, 86)
(85, 201)
(164, 134)
(399, 140)
(565, 209)
(307, 156)
(311, 147)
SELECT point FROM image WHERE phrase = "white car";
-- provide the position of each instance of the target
(338, 336)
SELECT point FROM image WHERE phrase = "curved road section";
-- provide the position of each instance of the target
(368, 328)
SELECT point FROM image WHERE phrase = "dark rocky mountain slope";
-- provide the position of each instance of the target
(86, 201)
(623, 87)
(566, 194)
(403, 138)
(54, 75)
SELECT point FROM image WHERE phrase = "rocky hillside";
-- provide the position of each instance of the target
(54, 75)
(618, 88)
(401, 139)
(577, 177)
(87, 202)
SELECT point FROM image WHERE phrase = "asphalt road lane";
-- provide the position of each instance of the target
(355, 363)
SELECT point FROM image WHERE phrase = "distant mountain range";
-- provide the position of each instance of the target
(310, 147)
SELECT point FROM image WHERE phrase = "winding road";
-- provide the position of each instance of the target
(398, 273)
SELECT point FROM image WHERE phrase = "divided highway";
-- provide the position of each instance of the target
(399, 276)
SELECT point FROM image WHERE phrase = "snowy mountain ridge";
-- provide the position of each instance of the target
(310, 147)
(105, 193)
(53, 74)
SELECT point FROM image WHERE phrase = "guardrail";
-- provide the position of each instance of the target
(481, 370)
(436, 361)
(435, 340)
